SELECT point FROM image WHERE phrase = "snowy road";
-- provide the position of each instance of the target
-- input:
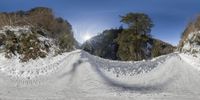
(81, 76)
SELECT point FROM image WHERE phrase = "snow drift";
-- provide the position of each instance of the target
(78, 75)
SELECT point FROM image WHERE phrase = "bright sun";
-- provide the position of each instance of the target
(86, 37)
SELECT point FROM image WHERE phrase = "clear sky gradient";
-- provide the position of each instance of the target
(90, 17)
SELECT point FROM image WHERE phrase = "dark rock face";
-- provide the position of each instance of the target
(107, 45)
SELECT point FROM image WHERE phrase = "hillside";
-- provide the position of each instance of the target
(105, 45)
(42, 18)
(34, 33)
(190, 41)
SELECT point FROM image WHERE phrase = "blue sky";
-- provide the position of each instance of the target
(90, 17)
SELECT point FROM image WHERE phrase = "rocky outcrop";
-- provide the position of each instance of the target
(190, 41)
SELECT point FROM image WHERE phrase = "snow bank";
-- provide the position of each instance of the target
(191, 59)
(32, 69)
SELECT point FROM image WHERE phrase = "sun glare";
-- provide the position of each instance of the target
(86, 37)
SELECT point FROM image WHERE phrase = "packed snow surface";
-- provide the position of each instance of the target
(78, 75)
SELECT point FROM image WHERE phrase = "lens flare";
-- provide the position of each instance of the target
(86, 37)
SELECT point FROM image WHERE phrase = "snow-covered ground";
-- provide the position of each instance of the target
(78, 75)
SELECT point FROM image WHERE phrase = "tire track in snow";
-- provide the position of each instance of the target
(132, 69)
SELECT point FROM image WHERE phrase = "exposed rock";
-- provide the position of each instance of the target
(190, 41)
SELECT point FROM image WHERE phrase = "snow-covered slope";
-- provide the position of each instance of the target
(78, 75)
(191, 44)
(26, 43)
